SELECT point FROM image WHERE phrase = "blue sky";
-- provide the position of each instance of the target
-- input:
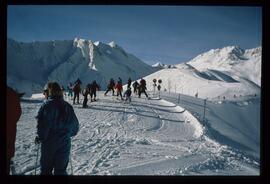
(167, 34)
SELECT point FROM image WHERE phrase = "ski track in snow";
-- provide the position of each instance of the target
(145, 137)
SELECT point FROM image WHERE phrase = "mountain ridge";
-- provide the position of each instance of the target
(66, 60)
(228, 73)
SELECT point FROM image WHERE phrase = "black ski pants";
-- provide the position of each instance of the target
(76, 95)
(142, 91)
(85, 100)
(109, 89)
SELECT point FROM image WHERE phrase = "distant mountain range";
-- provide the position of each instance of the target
(214, 74)
(246, 63)
(31, 65)
(226, 71)
(160, 65)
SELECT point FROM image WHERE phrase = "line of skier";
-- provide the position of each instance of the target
(74, 90)
(138, 88)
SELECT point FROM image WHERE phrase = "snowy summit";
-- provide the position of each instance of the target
(65, 61)
(218, 73)
(161, 65)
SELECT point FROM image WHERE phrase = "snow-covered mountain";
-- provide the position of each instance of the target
(232, 59)
(219, 72)
(165, 135)
(31, 65)
(160, 65)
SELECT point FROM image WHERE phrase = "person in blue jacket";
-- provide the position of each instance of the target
(56, 124)
(127, 94)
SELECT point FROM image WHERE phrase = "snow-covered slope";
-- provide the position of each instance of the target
(151, 137)
(215, 74)
(172, 135)
(31, 65)
(233, 59)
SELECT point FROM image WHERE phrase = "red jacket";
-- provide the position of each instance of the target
(118, 87)
(13, 115)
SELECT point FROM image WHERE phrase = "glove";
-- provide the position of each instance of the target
(37, 140)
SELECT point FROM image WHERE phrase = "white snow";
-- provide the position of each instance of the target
(215, 74)
(31, 65)
(161, 65)
(187, 82)
(233, 59)
(112, 44)
(170, 134)
(146, 137)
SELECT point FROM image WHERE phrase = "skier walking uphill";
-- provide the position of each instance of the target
(93, 90)
(135, 86)
(77, 90)
(56, 123)
(119, 89)
(13, 113)
(142, 88)
(129, 83)
(110, 87)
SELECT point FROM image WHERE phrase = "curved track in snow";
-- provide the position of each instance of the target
(146, 137)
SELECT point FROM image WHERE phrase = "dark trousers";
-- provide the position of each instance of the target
(76, 95)
(70, 93)
(128, 98)
(93, 93)
(135, 90)
(119, 93)
(142, 91)
(109, 89)
(85, 100)
(55, 156)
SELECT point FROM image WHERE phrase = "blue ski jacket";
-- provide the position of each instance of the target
(56, 118)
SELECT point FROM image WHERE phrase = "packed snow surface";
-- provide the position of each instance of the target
(149, 137)
(213, 85)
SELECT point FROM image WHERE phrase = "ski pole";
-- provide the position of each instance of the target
(36, 160)
(70, 160)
